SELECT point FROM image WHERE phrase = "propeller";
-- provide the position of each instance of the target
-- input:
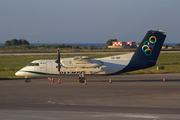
(58, 60)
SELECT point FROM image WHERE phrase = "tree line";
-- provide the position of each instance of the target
(14, 42)
(109, 42)
(22, 44)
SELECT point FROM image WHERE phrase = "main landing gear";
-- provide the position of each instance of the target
(81, 77)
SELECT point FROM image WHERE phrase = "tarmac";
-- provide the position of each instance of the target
(128, 97)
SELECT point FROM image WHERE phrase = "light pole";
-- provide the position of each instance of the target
(38, 41)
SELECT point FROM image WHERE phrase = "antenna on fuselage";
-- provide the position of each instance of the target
(58, 60)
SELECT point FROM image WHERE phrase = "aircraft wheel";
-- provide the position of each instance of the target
(27, 80)
(81, 80)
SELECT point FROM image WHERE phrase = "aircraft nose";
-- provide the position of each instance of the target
(19, 73)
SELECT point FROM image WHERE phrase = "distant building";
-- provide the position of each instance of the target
(131, 43)
(170, 47)
(123, 43)
(163, 47)
(118, 43)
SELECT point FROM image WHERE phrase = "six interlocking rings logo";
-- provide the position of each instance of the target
(148, 46)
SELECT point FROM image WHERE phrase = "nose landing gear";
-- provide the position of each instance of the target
(81, 79)
(27, 80)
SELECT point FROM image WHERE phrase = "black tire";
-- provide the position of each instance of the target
(81, 80)
(27, 80)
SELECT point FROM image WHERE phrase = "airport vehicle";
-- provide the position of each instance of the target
(145, 56)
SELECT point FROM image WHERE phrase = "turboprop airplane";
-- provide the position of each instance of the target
(144, 57)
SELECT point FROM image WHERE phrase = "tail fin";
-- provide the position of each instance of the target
(148, 51)
(150, 46)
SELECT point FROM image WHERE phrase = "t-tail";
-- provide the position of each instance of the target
(148, 51)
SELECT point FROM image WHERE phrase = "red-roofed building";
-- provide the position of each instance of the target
(123, 43)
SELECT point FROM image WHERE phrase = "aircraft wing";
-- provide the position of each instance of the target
(82, 62)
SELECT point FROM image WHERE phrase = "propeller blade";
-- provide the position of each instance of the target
(59, 66)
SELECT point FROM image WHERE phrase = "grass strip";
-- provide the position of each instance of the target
(12, 63)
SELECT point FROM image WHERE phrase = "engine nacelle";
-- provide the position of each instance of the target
(82, 62)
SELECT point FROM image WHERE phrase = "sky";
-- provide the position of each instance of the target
(88, 21)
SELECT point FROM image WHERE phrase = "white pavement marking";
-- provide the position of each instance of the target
(140, 116)
(73, 115)
(128, 116)
(51, 102)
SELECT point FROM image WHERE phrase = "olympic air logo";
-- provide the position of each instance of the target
(70, 62)
(148, 46)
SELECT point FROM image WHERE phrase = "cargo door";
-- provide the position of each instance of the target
(48, 68)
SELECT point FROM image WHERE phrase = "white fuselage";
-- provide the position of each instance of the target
(69, 67)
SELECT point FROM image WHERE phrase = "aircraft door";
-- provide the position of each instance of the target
(48, 67)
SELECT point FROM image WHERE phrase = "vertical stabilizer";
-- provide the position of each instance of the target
(150, 46)
(148, 51)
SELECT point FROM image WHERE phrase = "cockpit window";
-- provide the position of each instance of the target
(30, 64)
(33, 64)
